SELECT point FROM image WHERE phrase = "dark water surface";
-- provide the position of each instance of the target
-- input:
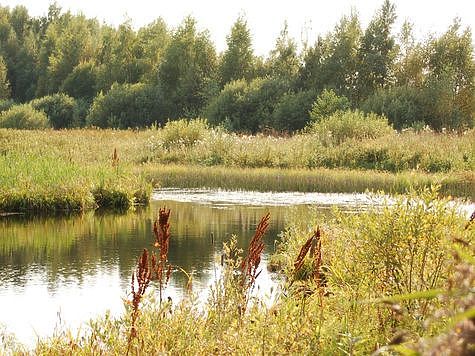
(64, 271)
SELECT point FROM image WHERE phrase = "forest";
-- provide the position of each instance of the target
(65, 70)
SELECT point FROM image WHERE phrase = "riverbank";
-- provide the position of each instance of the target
(392, 280)
(76, 170)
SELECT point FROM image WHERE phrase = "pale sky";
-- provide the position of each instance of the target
(265, 18)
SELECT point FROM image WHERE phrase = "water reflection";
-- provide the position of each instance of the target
(74, 268)
(80, 266)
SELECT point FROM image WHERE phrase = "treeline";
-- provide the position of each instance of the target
(64, 70)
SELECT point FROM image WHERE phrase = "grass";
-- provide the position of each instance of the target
(73, 170)
(306, 180)
(394, 280)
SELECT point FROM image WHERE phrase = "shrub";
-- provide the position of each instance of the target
(344, 125)
(23, 117)
(6, 104)
(81, 82)
(402, 106)
(246, 106)
(184, 132)
(292, 111)
(327, 103)
(59, 109)
(126, 106)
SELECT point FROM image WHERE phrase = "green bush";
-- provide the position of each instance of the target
(292, 111)
(184, 132)
(126, 106)
(6, 104)
(344, 125)
(402, 106)
(59, 109)
(81, 82)
(23, 117)
(327, 103)
(243, 106)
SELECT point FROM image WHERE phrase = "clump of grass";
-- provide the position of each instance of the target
(305, 180)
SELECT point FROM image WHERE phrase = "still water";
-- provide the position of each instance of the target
(61, 272)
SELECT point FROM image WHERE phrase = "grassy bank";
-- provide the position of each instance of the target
(70, 170)
(396, 280)
(307, 180)
(47, 183)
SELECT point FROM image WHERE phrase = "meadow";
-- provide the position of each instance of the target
(51, 171)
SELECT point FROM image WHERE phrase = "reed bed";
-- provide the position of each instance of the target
(74, 170)
(307, 180)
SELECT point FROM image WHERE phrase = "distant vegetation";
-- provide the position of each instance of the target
(78, 72)
(72, 170)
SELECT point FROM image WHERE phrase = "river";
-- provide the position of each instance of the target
(60, 272)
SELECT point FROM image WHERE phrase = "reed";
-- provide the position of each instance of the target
(306, 180)
(72, 170)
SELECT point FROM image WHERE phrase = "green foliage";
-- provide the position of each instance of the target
(332, 61)
(59, 108)
(81, 83)
(403, 106)
(184, 132)
(238, 59)
(430, 81)
(345, 125)
(243, 106)
(6, 104)
(23, 117)
(284, 60)
(5, 91)
(377, 52)
(127, 105)
(291, 112)
(328, 103)
(406, 245)
(187, 71)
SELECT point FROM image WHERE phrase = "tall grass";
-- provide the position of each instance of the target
(32, 183)
(306, 180)
(73, 170)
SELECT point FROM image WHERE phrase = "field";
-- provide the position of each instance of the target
(72, 170)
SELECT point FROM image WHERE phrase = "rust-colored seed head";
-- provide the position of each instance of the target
(251, 263)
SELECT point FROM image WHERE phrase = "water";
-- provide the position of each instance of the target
(57, 272)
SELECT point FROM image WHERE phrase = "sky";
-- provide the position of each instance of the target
(306, 18)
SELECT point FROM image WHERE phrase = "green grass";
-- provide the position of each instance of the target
(306, 180)
(72, 170)
(32, 183)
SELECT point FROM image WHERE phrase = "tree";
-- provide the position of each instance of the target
(328, 103)
(284, 61)
(452, 70)
(340, 66)
(410, 62)
(187, 72)
(4, 83)
(237, 61)
(81, 83)
(377, 52)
